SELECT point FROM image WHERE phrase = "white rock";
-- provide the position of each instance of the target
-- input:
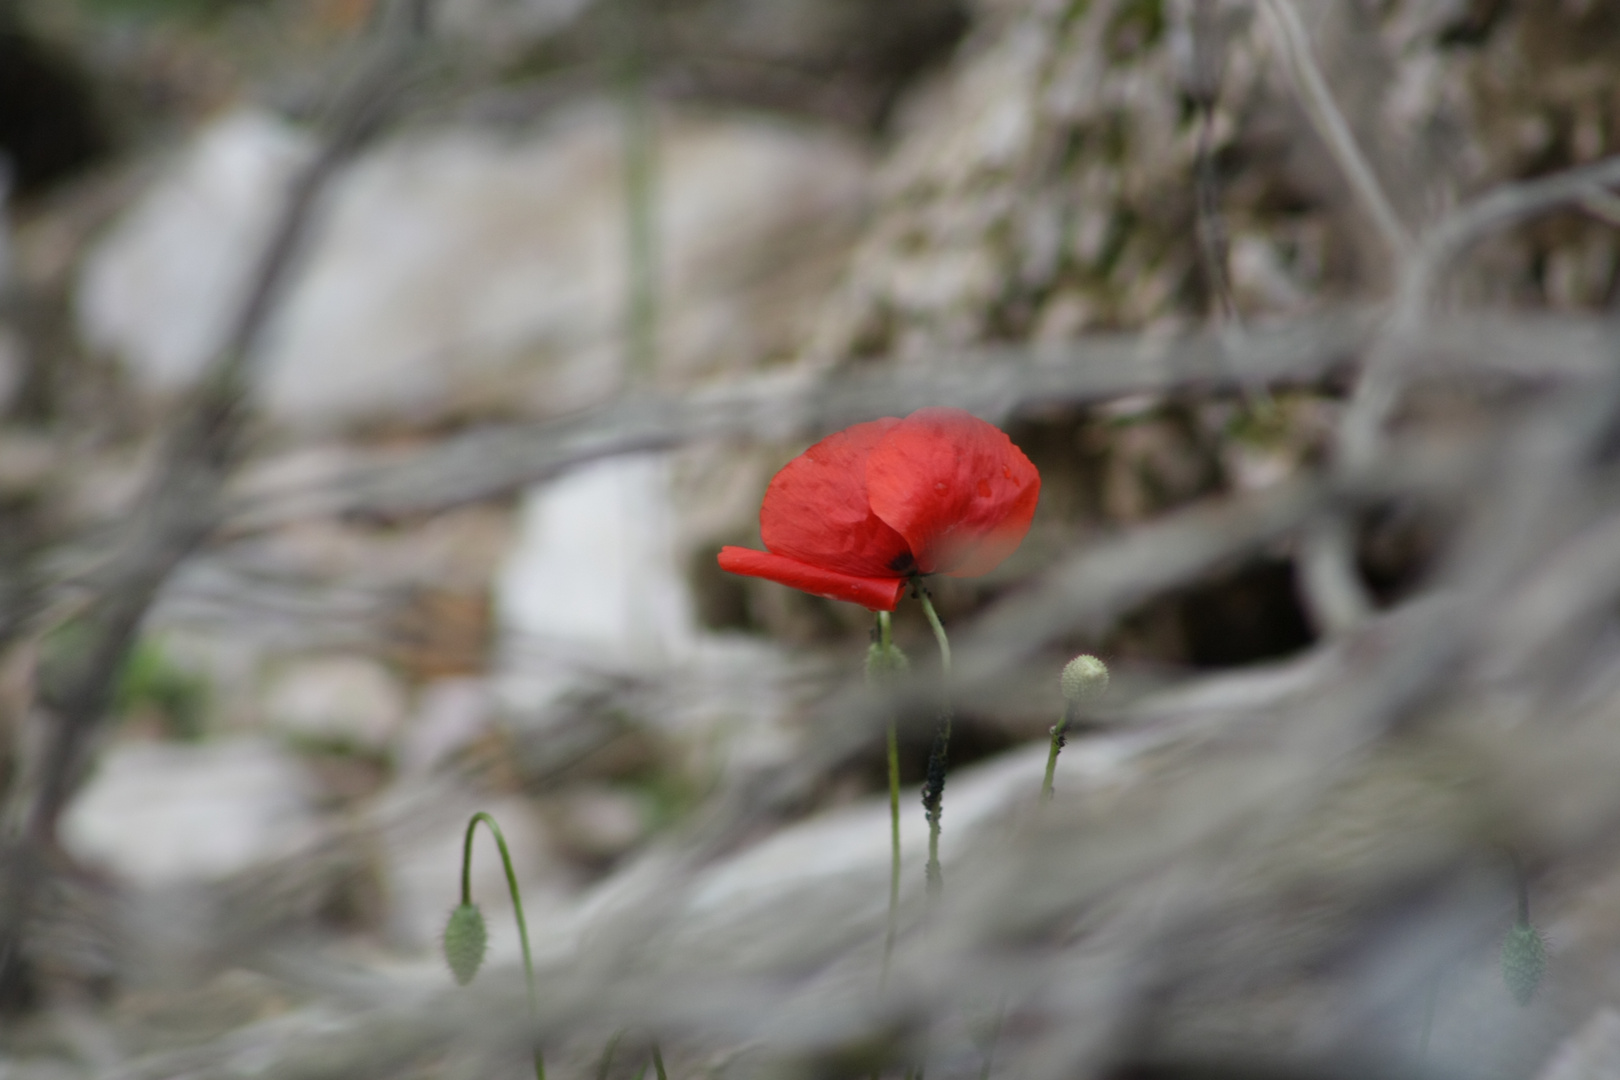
(464, 269)
(597, 821)
(351, 700)
(160, 291)
(592, 579)
(450, 714)
(160, 814)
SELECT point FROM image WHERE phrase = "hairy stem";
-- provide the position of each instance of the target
(939, 754)
(517, 910)
(886, 642)
(1059, 738)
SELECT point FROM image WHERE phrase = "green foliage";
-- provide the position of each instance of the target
(1524, 961)
(151, 682)
(465, 941)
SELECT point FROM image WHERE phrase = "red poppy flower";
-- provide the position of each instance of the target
(859, 513)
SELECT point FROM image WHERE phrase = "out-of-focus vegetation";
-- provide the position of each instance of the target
(378, 380)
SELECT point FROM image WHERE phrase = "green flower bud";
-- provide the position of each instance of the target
(884, 664)
(1524, 961)
(464, 942)
(1085, 677)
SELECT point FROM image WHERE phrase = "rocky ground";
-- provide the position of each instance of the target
(551, 329)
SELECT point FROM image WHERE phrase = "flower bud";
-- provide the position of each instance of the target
(885, 663)
(1524, 961)
(464, 942)
(1085, 677)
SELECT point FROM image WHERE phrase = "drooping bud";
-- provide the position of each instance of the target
(1524, 961)
(1084, 678)
(885, 663)
(464, 942)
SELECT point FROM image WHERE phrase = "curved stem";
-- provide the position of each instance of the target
(1059, 737)
(517, 910)
(939, 753)
(886, 642)
(658, 1063)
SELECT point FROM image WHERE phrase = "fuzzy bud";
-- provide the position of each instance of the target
(1084, 678)
(885, 664)
(1524, 961)
(464, 942)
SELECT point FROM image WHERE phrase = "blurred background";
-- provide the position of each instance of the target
(379, 380)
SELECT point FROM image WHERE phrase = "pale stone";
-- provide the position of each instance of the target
(161, 814)
(467, 269)
(344, 700)
(598, 822)
(591, 580)
(161, 289)
(450, 714)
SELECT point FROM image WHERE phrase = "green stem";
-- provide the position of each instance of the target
(658, 1063)
(1428, 1015)
(1059, 736)
(517, 910)
(886, 643)
(607, 1055)
(939, 753)
(1521, 884)
(939, 634)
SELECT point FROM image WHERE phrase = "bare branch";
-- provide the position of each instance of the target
(1330, 124)
(179, 509)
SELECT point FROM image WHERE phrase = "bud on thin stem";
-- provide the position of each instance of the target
(465, 938)
(1084, 678)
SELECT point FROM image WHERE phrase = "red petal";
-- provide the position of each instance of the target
(955, 488)
(815, 510)
(879, 594)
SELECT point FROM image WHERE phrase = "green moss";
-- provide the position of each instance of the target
(151, 682)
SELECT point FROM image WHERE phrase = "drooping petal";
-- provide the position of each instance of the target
(955, 488)
(816, 510)
(879, 594)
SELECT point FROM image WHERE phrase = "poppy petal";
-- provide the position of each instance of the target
(879, 594)
(816, 511)
(955, 488)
